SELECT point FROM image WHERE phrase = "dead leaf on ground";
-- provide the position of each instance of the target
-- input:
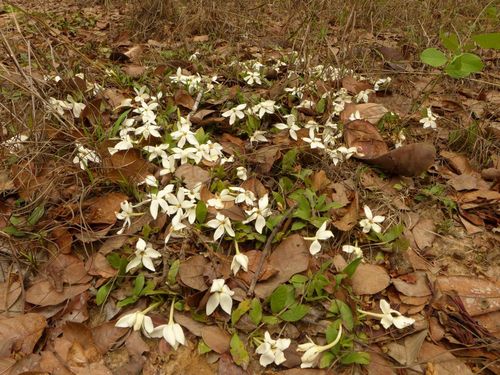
(353, 86)
(107, 335)
(114, 97)
(424, 233)
(192, 271)
(43, 293)
(479, 296)
(133, 70)
(458, 162)
(9, 294)
(491, 322)
(216, 338)
(20, 334)
(468, 182)
(126, 166)
(290, 257)
(265, 157)
(350, 216)
(98, 265)
(67, 269)
(443, 362)
(192, 175)
(255, 186)
(189, 323)
(371, 112)
(253, 260)
(183, 99)
(413, 285)
(369, 279)
(102, 209)
(407, 352)
(200, 115)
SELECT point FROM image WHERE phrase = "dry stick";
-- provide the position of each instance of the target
(267, 249)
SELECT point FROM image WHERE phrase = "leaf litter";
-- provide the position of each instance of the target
(254, 146)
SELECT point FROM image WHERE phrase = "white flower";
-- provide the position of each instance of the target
(355, 116)
(184, 133)
(59, 106)
(126, 143)
(347, 152)
(272, 350)
(168, 164)
(363, 96)
(126, 214)
(236, 112)
(137, 320)
(84, 155)
(290, 125)
(147, 129)
(221, 224)
(243, 196)
(382, 83)
(185, 154)
(15, 143)
(241, 173)
(158, 200)
(144, 254)
(313, 127)
(178, 204)
(266, 106)
(312, 350)
(156, 151)
(239, 261)
(400, 139)
(149, 180)
(259, 214)
(353, 249)
(171, 332)
(430, 120)
(295, 91)
(258, 136)
(371, 222)
(321, 234)
(76, 107)
(314, 142)
(211, 151)
(221, 295)
(390, 316)
(141, 95)
(252, 77)
(308, 104)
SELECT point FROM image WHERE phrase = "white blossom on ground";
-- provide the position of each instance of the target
(290, 125)
(312, 350)
(389, 316)
(271, 351)
(138, 321)
(351, 249)
(222, 225)
(371, 222)
(220, 295)
(241, 173)
(258, 136)
(126, 213)
(172, 332)
(355, 116)
(144, 255)
(259, 214)
(321, 234)
(430, 120)
(234, 113)
(84, 155)
(239, 261)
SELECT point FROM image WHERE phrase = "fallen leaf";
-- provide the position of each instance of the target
(350, 217)
(43, 293)
(290, 257)
(444, 363)
(458, 162)
(189, 323)
(200, 115)
(133, 70)
(371, 112)
(183, 99)
(491, 322)
(126, 166)
(255, 186)
(103, 209)
(467, 182)
(20, 334)
(353, 86)
(265, 157)
(107, 335)
(98, 265)
(216, 339)
(253, 261)
(114, 97)
(407, 353)
(424, 233)
(418, 288)
(479, 296)
(192, 175)
(67, 269)
(9, 293)
(191, 272)
(369, 279)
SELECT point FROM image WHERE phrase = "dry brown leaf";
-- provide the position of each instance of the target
(43, 293)
(491, 322)
(189, 323)
(353, 86)
(183, 99)
(9, 293)
(290, 257)
(68, 269)
(98, 265)
(103, 209)
(126, 165)
(424, 233)
(133, 70)
(407, 352)
(191, 272)
(216, 339)
(479, 296)
(458, 162)
(265, 157)
(413, 285)
(366, 138)
(20, 334)
(253, 261)
(106, 335)
(371, 112)
(468, 182)
(114, 97)
(350, 218)
(369, 279)
(378, 364)
(255, 186)
(443, 362)
(200, 115)
(192, 175)
(63, 239)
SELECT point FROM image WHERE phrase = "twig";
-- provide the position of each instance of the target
(267, 249)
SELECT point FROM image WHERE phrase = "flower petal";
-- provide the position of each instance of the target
(315, 247)
(148, 263)
(226, 302)
(126, 321)
(212, 303)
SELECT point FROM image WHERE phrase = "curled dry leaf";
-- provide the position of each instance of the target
(413, 285)
(442, 361)
(102, 209)
(20, 334)
(350, 217)
(126, 166)
(133, 70)
(43, 293)
(369, 279)
(353, 86)
(9, 293)
(192, 271)
(265, 158)
(183, 99)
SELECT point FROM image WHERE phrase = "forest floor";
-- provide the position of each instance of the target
(195, 188)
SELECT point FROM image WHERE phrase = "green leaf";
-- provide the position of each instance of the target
(103, 292)
(13, 231)
(295, 313)
(138, 284)
(116, 126)
(282, 296)
(238, 351)
(203, 348)
(289, 159)
(114, 260)
(351, 267)
(173, 271)
(127, 301)
(463, 65)
(326, 360)
(255, 313)
(36, 215)
(433, 57)
(394, 232)
(237, 313)
(332, 331)
(361, 358)
(450, 41)
(321, 106)
(269, 319)
(342, 308)
(201, 212)
(297, 225)
(488, 40)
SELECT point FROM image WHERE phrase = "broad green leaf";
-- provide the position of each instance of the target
(282, 296)
(463, 65)
(450, 41)
(203, 348)
(114, 260)
(127, 301)
(361, 358)
(332, 331)
(238, 351)
(138, 284)
(173, 271)
(297, 225)
(255, 313)
(342, 308)
(269, 319)
(289, 159)
(433, 57)
(103, 292)
(326, 360)
(36, 215)
(321, 106)
(394, 232)
(351, 267)
(13, 231)
(488, 40)
(295, 313)
(201, 212)
(237, 313)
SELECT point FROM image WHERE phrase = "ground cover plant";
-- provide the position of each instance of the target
(191, 187)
